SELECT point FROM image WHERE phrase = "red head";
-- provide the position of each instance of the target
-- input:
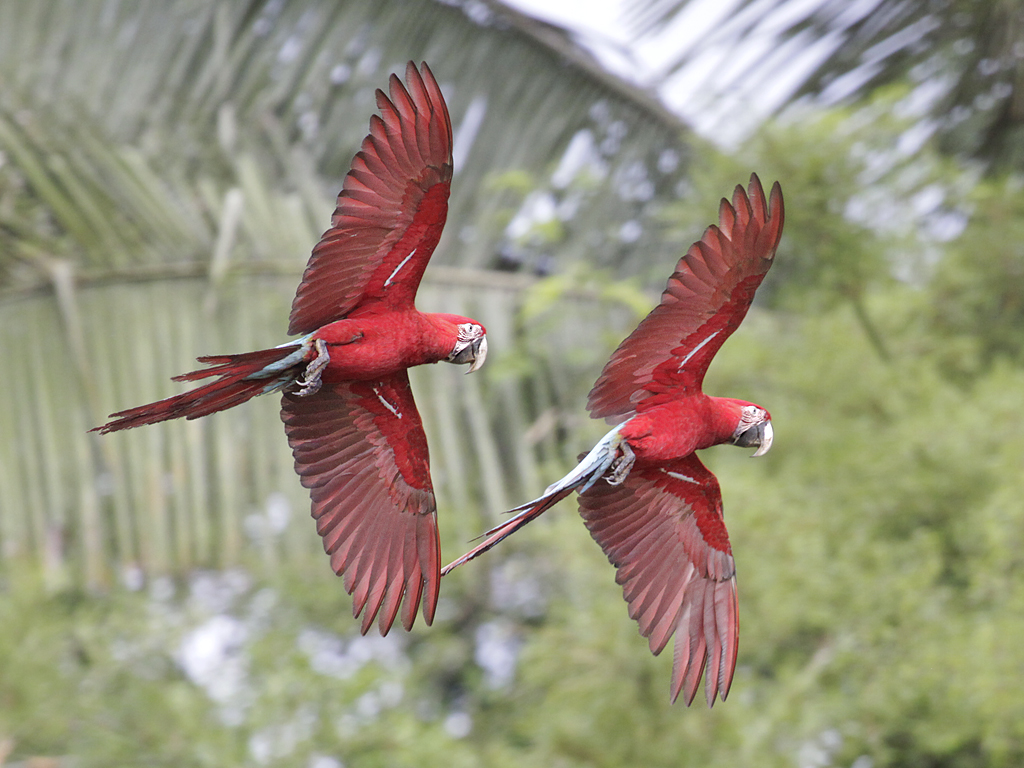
(470, 345)
(748, 425)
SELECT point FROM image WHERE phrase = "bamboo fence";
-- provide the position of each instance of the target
(93, 509)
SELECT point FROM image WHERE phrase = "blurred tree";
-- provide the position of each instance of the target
(963, 58)
(978, 289)
(866, 211)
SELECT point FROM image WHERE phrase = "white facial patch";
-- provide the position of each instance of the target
(749, 416)
(469, 332)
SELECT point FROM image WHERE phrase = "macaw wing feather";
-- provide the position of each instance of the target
(360, 449)
(391, 209)
(705, 300)
(662, 529)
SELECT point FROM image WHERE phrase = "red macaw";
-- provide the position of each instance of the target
(347, 406)
(646, 498)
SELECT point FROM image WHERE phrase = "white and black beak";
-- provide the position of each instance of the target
(475, 353)
(759, 435)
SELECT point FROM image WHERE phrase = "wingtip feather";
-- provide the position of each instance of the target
(430, 557)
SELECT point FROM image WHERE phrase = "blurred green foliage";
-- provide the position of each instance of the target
(978, 309)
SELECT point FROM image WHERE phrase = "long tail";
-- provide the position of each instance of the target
(586, 473)
(240, 378)
(510, 526)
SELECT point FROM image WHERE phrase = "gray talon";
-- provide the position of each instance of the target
(621, 466)
(310, 384)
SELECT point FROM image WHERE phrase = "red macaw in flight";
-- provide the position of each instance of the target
(646, 498)
(347, 407)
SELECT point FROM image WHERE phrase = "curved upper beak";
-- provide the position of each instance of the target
(766, 436)
(478, 354)
(760, 435)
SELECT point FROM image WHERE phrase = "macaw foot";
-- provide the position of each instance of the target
(620, 467)
(310, 385)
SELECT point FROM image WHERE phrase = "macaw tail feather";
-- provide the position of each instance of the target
(239, 378)
(510, 526)
(591, 468)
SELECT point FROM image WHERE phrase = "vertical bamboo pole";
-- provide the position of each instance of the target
(15, 501)
(177, 522)
(490, 472)
(90, 526)
(108, 308)
(42, 396)
(199, 495)
(455, 467)
(227, 498)
(29, 466)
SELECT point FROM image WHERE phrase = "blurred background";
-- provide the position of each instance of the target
(165, 169)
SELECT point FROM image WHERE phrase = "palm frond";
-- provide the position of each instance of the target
(960, 60)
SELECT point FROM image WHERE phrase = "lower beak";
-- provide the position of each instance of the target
(479, 354)
(766, 439)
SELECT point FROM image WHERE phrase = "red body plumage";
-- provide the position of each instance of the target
(347, 406)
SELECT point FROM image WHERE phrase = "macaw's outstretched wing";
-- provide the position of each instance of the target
(663, 530)
(391, 209)
(705, 300)
(360, 449)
